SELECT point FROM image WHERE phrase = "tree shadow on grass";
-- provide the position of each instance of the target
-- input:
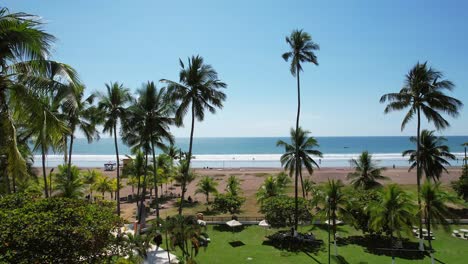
(380, 245)
(283, 241)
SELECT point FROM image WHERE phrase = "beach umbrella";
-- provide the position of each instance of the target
(232, 224)
(201, 222)
(264, 224)
(338, 222)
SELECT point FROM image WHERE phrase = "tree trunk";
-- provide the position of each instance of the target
(70, 156)
(296, 202)
(428, 224)
(418, 179)
(391, 242)
(44, 172)
(142, 201)
(65, 153)
(118, 169)
(302, 184)
(334, 232)
(155, 179)
(186, 171)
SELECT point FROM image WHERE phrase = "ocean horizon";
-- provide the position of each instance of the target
(261, 152)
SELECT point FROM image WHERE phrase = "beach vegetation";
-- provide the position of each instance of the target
(366, 172)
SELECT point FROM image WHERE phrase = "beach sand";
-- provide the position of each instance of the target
(252, 179)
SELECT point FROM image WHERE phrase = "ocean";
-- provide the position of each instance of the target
(260, 152)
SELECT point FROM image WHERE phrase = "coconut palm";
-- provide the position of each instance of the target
(423, 92)
(113, 109)
(233, 186)
(270, 188)
(90, 178)
(366, 172)
(334, 202)
(184, 178)
(69, 185)
(298, 154)
(394, 212)
(198, 89)
(24, 73)
(433, 155)
(435, 206)
(182, 230)
(283, 179)
(308, 187)
(103, 185)
(206, 186)
(80, 115)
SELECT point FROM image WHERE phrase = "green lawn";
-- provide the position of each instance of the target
(449, 249)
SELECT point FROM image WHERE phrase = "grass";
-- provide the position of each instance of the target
(253, 248)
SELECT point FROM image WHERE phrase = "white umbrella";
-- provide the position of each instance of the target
(233, 223)
(331, 222)
(264, 223)
(201, 222)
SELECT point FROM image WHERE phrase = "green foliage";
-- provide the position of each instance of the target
(279, 210)
(461, 185)
(54, 230)
(233, 186)
(366, 173)
(206, 186)
(228, 203)
(69, 186)
(357, 207)
(272, 186)
(182, 230)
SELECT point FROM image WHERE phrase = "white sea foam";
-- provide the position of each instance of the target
(241, 160)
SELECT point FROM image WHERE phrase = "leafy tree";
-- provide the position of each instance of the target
(113, 109)
(423, 91)
(394, 212)
(283, 179)
(366, 173)
(55, 230)
(433, 154)
(228, 203)
(233, 186)
(198, 89)
(279, 210)
(298, 154)
(69, 185)
(357, 208)
(206, 186)
(461, 185)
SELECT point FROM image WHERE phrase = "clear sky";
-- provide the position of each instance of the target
(366, 48)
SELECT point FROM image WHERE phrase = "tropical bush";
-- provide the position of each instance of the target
(279, 210)
(461, 186)
(228, 203)
(55, 230)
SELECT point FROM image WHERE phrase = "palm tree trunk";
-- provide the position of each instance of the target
(142, 201)
(302, 184)
(65, 147)
(334, 233)
(188, 158)
(391, 242)
(118, 169)
(418, 179)
(428, 226)
(155, 180)
(44, 172)
(167, 247)
(70, 155)
(296, 201)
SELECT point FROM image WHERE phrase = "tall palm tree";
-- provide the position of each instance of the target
(423, 91)
(395, 212)
(298, 154)
(113, 108)
(233, 186)
(433, 155)
(80, 115)
(198, 89)
(302, 51)
(366, 172)
(206, 186)
(334, 203)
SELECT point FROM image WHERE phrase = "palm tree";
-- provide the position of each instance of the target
(90, 178)
(270, 188)
(80, 115)
(298, 154)
(69, 185)
(198, 89)
(184, 178)
(233, 186)
(112, 107)
(334, 203)
(182, 230)
(423, 91)
(23, 75)
(366, 173)
(395, 212)
(308, 187)
(283, 179)
(206, 186)
(103, 184)
(433, 155)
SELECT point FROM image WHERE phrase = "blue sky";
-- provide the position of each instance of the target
(366, 49)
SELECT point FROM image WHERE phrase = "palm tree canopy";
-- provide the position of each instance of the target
(198, 87)
(302, 50)
(433, 154)
(206, 186)
(395, 211)
(424, 89)
(233, 185)
(366, 172)
(69, 187)
(306, 149)
(271, 187)
(113, 105)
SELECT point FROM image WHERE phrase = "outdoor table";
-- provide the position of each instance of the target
(464, 230)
